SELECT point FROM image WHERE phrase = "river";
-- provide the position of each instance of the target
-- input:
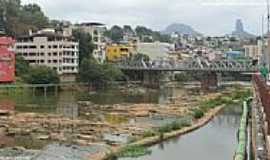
(215, 141)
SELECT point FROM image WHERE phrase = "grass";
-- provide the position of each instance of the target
(172, 127)
(133, 151)
(136, 151)
(149, 133)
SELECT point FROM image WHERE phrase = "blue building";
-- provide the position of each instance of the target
(234, 54)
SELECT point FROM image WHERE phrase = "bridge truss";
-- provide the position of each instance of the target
(195, 64)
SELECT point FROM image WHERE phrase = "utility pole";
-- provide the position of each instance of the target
(263, 54)
(268, 38)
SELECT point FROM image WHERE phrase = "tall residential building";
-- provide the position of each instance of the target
(50, 49)
(96, 30)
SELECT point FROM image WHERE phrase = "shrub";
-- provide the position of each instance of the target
(133, 151)
(148, 133)
(198, 113)
(41, 75)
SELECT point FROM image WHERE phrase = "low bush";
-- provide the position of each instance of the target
(149, 133)
(133, 151)
(198, 113)
(173, 126)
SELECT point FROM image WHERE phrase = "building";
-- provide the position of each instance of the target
(252, 51)
(7, 60)
(50, 49)
(116, 52)
(96, 30)
(155, 50)
(234, 54)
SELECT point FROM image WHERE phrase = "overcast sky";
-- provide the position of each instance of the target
(211, 17)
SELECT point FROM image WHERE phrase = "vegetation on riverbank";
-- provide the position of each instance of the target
(234, 96)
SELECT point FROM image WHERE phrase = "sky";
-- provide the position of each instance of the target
(210, 17)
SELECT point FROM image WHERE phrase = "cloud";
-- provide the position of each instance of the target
(207, 16)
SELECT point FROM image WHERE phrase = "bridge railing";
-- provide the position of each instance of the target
(264, 92)
(261, 112)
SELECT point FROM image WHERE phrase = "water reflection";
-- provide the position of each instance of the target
(215, 141)
(65, 103)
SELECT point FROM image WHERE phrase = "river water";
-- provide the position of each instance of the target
(215, 141)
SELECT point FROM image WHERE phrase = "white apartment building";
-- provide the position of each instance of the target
(253, 51)
(50, 49)
(96, 30)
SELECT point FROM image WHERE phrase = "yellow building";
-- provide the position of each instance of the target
(116, 52)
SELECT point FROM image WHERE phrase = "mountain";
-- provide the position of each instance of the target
(180, 28)
(240, 31)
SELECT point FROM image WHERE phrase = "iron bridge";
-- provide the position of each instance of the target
(192, 64)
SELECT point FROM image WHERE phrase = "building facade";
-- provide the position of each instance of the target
(252, 51)
(96, 30)
(7, 60)
(117, 52)
(47, 48)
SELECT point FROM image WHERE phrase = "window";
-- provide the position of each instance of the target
(33, 47)
(55, 46)
(124, 50)
(49, 61)
(55, 61)
(49, 46)
(32, 54)
(42, 61)
(55, 54)
(49, 54)
(42, 47)
(95, 39)
(41, 54)
(95, 32)
(19, 47)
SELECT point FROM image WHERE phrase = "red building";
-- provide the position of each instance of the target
(7, 60)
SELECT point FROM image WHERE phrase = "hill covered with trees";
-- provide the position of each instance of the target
(17, 19)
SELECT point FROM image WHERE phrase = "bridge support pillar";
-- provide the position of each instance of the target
(209, 81)
(151, 79)
(154, 79)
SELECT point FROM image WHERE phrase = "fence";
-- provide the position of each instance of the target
(263, 91)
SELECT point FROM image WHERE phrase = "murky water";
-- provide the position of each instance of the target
(215, 141)
(65, 103)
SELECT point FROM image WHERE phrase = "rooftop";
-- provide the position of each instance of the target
(92, 24)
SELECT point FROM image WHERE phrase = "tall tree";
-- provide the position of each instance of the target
(116, 33)
(41, 75)
(128, 30)
(86, 46)
(18, 19)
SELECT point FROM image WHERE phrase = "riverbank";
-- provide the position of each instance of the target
(211, 110)
(114, 125)
(157, 139)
